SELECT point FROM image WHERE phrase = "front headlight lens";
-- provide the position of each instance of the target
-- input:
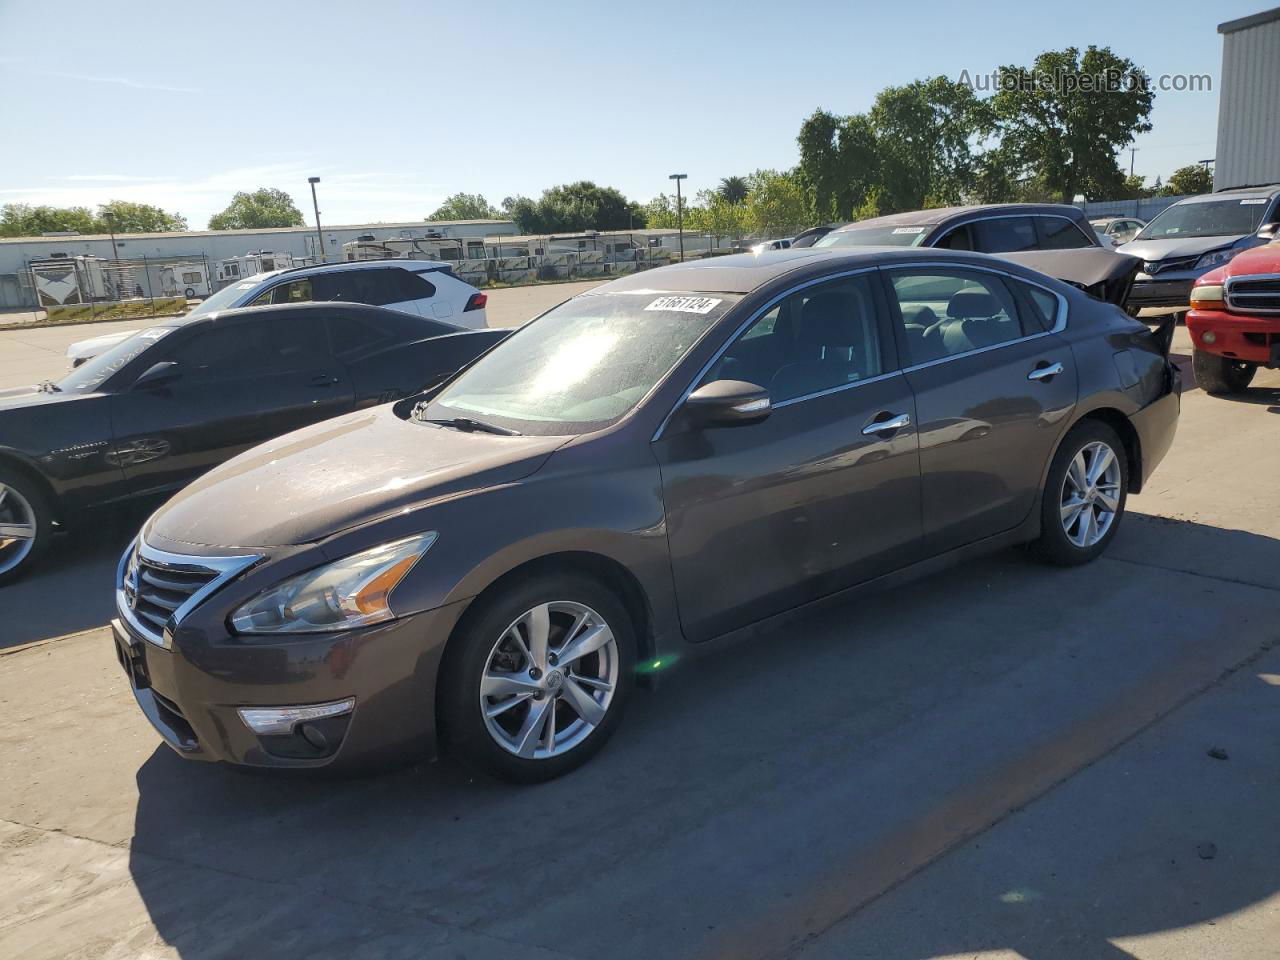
(351, 592)
(1216, 259)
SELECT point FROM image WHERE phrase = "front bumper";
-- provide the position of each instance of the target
(191, 691)
(1163, 290)
(1252, 339)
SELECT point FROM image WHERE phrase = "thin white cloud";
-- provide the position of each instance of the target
(120, 81)
(107, 178)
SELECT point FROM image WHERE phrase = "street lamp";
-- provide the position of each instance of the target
(316, 206)
(677, 177)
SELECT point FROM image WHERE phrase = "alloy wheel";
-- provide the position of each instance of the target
(1090, 494)
(549, 680)
(17, 528)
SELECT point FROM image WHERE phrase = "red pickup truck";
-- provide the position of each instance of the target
(1234, 320)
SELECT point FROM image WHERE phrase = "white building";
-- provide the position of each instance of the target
(1249, 102)
(16, 253)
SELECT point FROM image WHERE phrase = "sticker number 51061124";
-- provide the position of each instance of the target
(684, 304)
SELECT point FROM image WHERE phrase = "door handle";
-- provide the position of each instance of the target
(892, 422)
(1045, 371)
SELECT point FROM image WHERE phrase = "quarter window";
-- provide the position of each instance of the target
(951, 312)
(1004, 235)
(817, 339)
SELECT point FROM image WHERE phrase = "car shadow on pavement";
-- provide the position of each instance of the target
(73, 587)
(1259, 395)
(742, 806)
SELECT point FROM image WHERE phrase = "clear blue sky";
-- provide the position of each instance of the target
(397, 105)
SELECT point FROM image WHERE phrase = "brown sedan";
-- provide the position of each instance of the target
(667, 459)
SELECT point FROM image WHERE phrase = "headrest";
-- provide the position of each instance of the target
(964, 306)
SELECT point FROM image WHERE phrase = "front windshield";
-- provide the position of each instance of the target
(91, 374)
(875, 237)
(1208, 218)
(584, 364)
(226, 297)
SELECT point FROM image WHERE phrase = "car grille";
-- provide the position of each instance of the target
(1253, 294)
(157, 589)
(1154, 267)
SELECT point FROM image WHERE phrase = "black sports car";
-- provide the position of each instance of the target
(165, 405)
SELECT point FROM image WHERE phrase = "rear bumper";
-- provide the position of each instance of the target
(190, 692)
(1253, 339)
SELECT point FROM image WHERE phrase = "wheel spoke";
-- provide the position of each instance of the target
(1102, 460)
(589, 641)
(17, 531)
(1076, 474)
(4, 492)
(594, 683)
(1070, 512)
(502, 706)
(1108, 500)
(538, 623)
(533, 730)
(582, 702)
(1088, 527)
(498, 684)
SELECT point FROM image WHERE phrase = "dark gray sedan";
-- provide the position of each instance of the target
(663, 461)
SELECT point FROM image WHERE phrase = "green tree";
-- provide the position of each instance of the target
(465, 206)
(1135, 188)
(713, 214)
(660, 212)
(1194, 178)
(839, 164)
(122, 216)
(24, 220)
(776, 204)
(1068, 115)
(575, 207)
(266, 207)
(732, 190)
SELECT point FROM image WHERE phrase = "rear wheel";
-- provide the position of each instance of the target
(1221, 375)
(538, 679)
(1084, 495)
(26, 523)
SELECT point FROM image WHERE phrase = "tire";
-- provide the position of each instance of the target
(23, 505)
(189, 293)
(1219, 375)
(498, 638)
(1065, 539)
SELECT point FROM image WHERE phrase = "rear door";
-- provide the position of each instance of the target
(1004, 234)
(238, 383)
(993, 388)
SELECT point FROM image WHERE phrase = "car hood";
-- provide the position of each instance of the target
(15, 398)
(315, 482)
(1104, 274)
(87, 349)
(1173, 247)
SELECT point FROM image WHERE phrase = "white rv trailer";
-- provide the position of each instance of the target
(185, 280)
(59, 281)
(261, 261)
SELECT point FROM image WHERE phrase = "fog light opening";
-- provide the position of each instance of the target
(314, 736)
(1208, 337)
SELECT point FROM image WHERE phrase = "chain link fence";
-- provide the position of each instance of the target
(80, 288)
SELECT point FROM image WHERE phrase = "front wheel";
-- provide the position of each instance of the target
(25, 525)
(1084, 495)
(537, 679)
(1219, 375)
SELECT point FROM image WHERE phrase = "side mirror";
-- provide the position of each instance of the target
(728, 403)
(157, 375)
(1268, 231)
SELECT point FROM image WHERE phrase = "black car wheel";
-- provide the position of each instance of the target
(1084, 496)
(25, 524)
(1219, 375)
(536, 679)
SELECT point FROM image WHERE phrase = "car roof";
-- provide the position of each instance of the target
(741, 273)
(322, 306)
(918, 218)
(438, 266)
(1236, 193)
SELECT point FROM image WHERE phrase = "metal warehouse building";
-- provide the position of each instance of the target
(213, 245)
(1249, 102)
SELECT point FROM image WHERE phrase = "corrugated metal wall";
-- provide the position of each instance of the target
(1249, 107)
(1144, 209)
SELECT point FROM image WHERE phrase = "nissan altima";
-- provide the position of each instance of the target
(493, 564)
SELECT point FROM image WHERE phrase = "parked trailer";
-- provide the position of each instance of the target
(185, 279)
(437, 248)
(262, 261)
(60, 281)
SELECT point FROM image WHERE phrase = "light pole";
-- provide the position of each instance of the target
(677, 177)
(316, 206)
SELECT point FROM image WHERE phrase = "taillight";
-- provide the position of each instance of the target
(477, 302)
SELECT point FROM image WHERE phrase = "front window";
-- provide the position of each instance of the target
(93, 373)
(885, 236)
(583, 365)
(1207, 218)
(224, 299)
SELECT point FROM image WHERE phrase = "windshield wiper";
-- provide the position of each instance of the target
(469, 425)
(48, 386)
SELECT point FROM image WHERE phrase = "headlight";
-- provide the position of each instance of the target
(1216, 259)
(351, 592)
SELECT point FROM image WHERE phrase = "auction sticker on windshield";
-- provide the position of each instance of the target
(685, 304)
(911, 230)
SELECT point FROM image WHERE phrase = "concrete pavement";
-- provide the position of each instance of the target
(37, 353)
(826, 788)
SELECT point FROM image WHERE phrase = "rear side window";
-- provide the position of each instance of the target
(1042, 305)
(1059, 233)
(376, 287)
(1004, 235)
(413, 286)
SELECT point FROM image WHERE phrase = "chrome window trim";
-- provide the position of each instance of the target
(225, 568)
(743, 328)
(1060, 325)
(1245, 307)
